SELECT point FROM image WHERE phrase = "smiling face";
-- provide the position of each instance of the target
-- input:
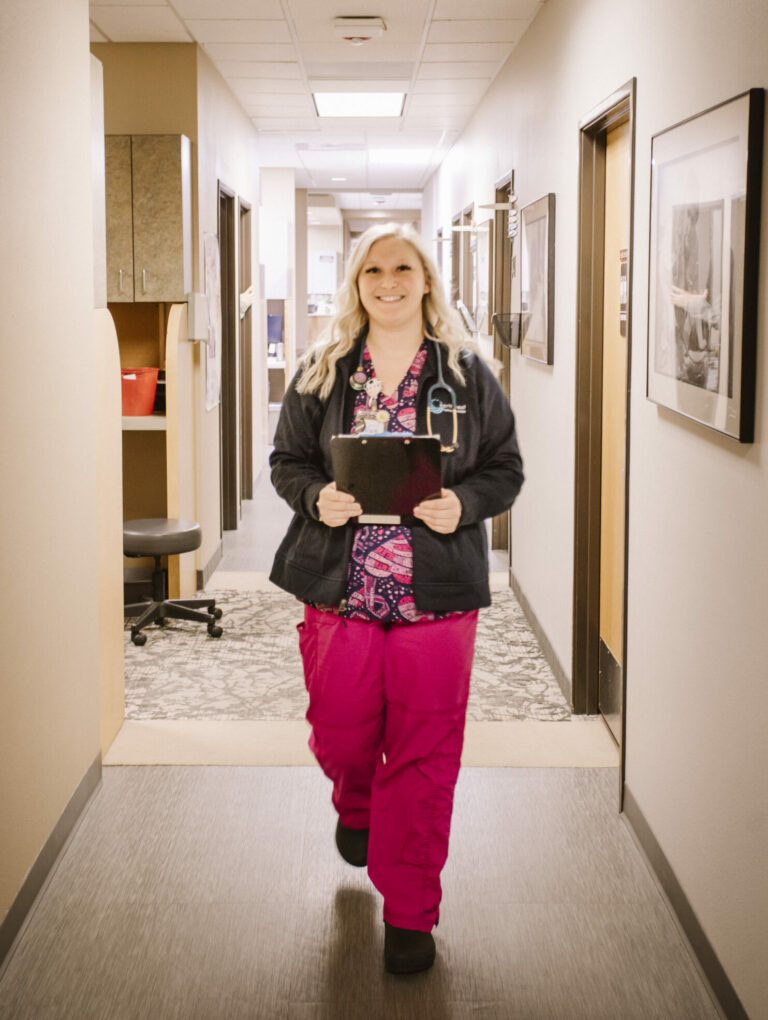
(391, 284)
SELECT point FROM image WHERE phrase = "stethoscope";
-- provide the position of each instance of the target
(435, 405)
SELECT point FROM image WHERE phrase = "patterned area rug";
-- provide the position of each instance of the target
(254, 670)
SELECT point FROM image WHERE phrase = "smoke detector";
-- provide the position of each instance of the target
(358, 30)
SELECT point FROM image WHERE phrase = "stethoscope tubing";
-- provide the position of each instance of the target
(436, 406)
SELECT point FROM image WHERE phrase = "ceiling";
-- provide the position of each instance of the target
(274, 53)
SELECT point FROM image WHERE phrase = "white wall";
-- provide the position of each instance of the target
(325, 238)
(227, 151)
(277, 245)
(697, 710)
(49, 497)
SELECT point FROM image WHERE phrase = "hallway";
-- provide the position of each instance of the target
(182, 865)
(217, 894)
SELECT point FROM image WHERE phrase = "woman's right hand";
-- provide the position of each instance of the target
(335, 508)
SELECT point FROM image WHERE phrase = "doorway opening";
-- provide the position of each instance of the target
(604, 333)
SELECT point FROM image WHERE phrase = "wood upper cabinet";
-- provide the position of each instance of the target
(149, 217)
(117, 157)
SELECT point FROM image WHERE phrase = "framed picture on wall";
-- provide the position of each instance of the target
(537, 280)
(484, 276)
(706, 177)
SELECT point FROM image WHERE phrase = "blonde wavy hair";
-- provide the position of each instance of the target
(441, 322)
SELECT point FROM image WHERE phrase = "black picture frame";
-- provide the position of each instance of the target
(706, 181)
(537, 280)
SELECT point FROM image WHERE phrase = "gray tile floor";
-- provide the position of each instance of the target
(218, 893)
(264, 522)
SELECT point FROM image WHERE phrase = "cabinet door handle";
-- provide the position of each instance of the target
(144, 281)
(120, 281)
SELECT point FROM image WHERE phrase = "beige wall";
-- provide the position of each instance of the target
(49, 695)
(174, 88)
(149, 88)
(697, 707)
(226, 152)
(109, 438)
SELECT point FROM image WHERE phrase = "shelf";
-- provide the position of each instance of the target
(275, 363)
(145, 423)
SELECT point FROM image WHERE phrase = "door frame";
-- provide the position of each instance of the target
(228, 404)
(246, 353)
(501, 525)
(616, 109)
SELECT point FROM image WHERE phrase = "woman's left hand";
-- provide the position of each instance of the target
(442, 514)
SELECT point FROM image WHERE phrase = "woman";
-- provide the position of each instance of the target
(391, 612)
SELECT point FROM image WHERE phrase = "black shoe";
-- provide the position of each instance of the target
(353, 845)
(407, 951)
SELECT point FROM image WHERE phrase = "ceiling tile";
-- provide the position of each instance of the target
(474, 87)
(486, 9)
(254, 69)
(271, 106)
(244, 87)
(479, 69)
(240, 31)
(492, 52)
(139, 24)
(267, 9)
(284, 123)
(360, 70)
(277, 52)
(343, 53)
(426, 103)
(498, 30)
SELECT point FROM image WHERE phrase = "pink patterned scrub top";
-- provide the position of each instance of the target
(380, 579)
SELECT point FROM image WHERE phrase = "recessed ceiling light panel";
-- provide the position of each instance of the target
(359, 104)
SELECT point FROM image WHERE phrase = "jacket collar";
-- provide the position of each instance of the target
(347, 365)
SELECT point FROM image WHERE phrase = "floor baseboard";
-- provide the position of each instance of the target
(204, 575)
(702, 948)
(544, 643)
(46, 859)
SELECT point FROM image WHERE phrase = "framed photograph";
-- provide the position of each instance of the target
(537, 280)
(706, 175)
(484, 276)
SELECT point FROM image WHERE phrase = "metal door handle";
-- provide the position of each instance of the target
(144, 281)
(120, 281)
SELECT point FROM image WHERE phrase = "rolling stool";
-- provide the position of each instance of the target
(159, 537)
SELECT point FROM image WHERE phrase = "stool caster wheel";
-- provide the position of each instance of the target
(138, 638)
(215, 613)
(213, 630)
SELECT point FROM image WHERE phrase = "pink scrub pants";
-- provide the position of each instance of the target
(387, 704)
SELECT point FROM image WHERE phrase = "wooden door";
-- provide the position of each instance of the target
(614, 426)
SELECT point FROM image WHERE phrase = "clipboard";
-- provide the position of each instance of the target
(387, 474)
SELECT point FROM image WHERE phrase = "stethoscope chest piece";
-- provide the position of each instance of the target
(358, 379)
